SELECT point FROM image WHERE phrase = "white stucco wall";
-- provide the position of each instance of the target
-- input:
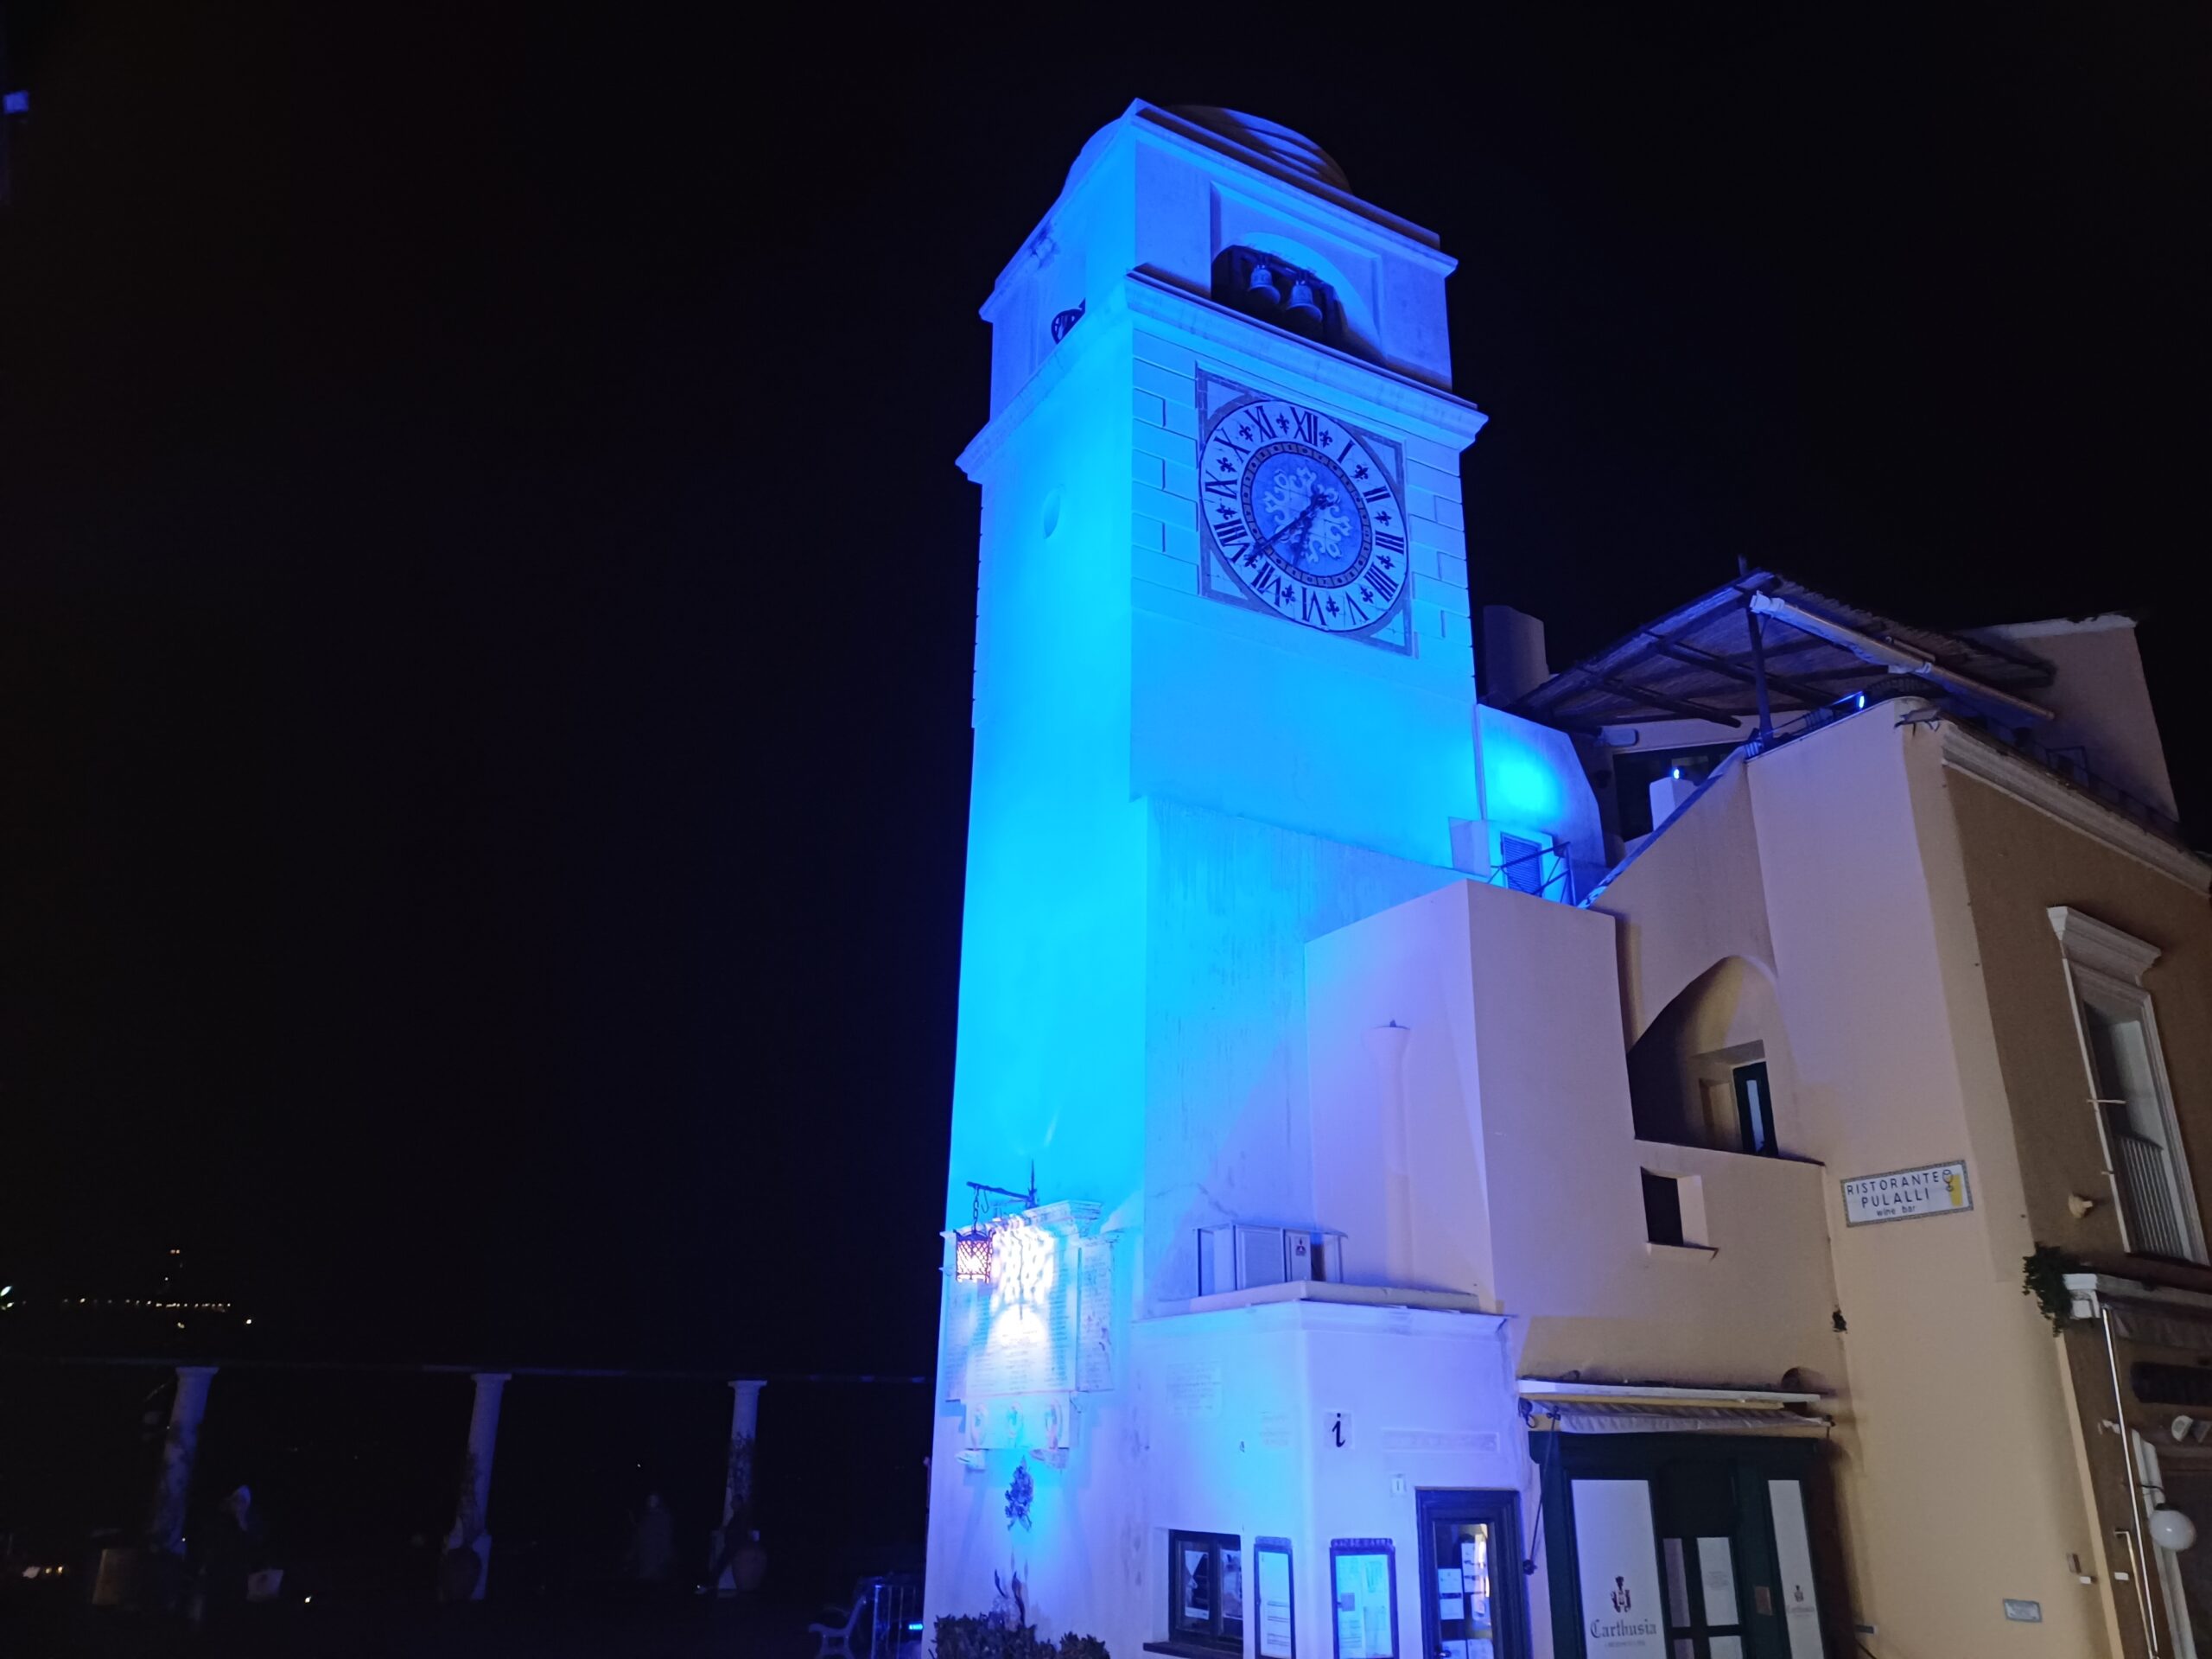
(1950, 1367)
(1523, 1165)
(1690, 897)
(1240, 1406)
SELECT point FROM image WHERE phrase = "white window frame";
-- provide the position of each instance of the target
(2104, 965)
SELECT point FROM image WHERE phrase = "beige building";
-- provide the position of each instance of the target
(1900, 999)
(1929, 947)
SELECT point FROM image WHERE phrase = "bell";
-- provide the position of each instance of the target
(1263, 293)
(1302, 306)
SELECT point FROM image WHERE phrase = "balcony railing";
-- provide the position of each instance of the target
(1529, 872)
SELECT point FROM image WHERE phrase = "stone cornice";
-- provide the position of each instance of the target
(2101, 945)
(2032, 785)
(1237, 342)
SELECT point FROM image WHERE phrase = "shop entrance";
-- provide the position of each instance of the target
(1689, 1546)
(1473, 1593)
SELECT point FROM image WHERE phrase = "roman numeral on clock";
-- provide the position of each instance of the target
(1384, 584)
(1233, 533)
(1304, 425)
(1380, 492)
(1388, 543)
(1220, 486)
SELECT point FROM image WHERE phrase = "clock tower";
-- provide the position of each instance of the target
(1224, 704)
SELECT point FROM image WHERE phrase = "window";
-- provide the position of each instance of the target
(1754, 1110)
(1206, 1591)
(1662, 1208)
(2127, 1077)
(1522, 861)
(1686, 1091)
(2157, 1384)
(1674, 1210)
(2127, 1096)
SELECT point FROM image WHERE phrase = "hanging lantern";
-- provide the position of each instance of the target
(972, 1245)
(971, 1255)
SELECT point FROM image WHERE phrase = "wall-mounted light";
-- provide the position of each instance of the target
(974, 1245)
(971, 1255)
(2171, 1529)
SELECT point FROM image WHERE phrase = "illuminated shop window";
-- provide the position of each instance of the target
(1205, 1590)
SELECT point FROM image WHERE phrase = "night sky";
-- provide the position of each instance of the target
(486, 598)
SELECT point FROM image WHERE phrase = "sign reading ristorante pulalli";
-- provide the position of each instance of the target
(1931, 1189)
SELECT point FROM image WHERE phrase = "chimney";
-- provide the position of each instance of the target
(1511, 663)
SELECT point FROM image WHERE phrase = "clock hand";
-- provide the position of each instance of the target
(1321, 499)
(1299, 523)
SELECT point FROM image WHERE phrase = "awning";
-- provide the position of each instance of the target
(1592, 1417)
(2162, 1315)
(1577, 1407)
(2163, 1327)
(1698, 662)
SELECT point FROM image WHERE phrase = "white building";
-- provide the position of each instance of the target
(1445, 1192)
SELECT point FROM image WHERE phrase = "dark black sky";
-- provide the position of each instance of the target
(485, 596)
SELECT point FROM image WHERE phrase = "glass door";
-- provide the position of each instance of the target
(1704, 1618)
(1472, 1602)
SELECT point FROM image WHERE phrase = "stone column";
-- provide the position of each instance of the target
(173, 1490)
(737, 1480)
(473, 1506)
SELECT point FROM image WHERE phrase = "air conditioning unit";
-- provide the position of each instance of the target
(1244, 1257)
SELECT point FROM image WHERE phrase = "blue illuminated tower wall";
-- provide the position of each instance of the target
(1172, 794)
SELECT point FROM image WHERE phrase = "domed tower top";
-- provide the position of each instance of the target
(1277, 143)
(1232, 207)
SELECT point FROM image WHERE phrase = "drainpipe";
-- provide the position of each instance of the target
(2137, 1566)
(1387, 1046)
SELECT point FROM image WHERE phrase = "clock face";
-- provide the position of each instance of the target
(1303, 513)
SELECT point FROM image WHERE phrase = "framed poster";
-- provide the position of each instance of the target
(1616, 1559)
(1793, 1553)
(1272, 1600)
(1363, 1586)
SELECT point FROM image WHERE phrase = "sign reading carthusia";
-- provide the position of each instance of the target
(1933, 1189)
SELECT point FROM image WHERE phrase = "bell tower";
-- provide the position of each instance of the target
(1223, 703)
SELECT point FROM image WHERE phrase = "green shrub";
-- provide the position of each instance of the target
(996, 1635)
